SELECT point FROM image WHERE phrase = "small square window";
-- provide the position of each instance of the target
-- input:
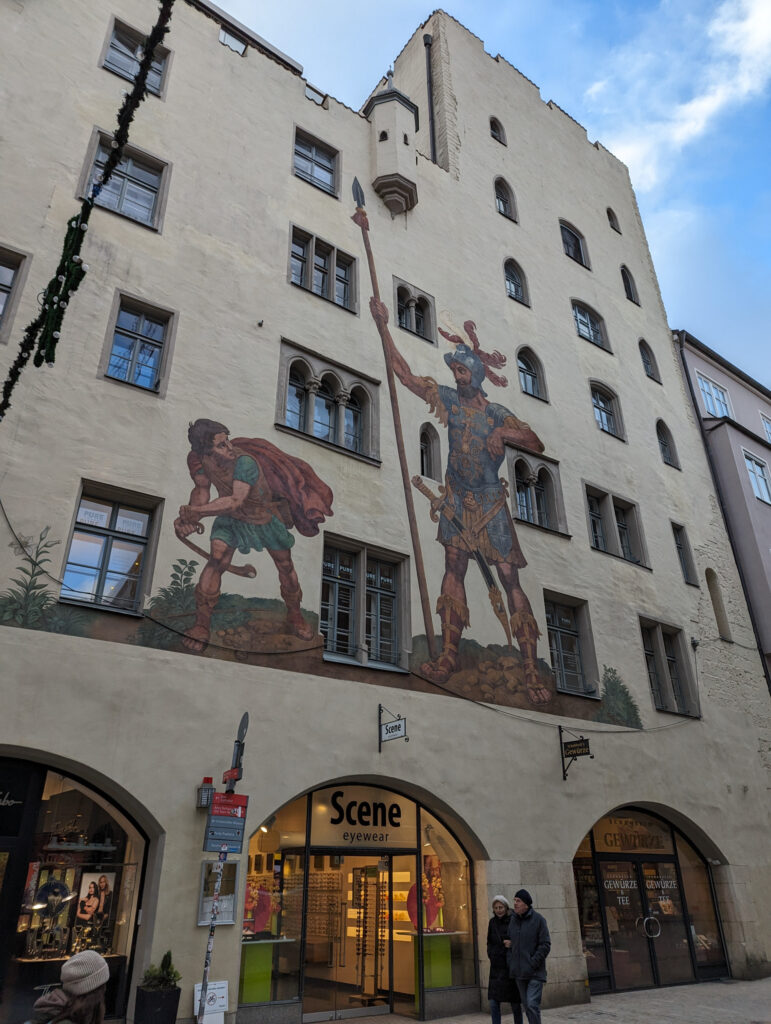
(137, 187)
(315, 162)
(570, 645)
(139, 344)
(759, 479)
(714, 397)
(125, 51)
(13, 271)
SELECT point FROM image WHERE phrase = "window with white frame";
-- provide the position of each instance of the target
(531, 375)
(327, 402)
(516, 284)
(322, 269)
(415, 310)
(504, 200)
(607, 412)
(669, 674)
(649, 361)
(362, 593)
(13, 269)
(125, 51)
(136, 187)
(758, 474)
(766, 427)
(315, 162)
(107, 553)
(614, 525)
(574, 245)
(590, 325)
(714, 397)
(666, 445)
(684, 554)
(570, 645)
(139, 345)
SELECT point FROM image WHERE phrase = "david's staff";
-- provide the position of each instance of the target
(360, 218)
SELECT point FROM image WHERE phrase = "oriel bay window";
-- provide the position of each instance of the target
(361, 597)
(322, 269)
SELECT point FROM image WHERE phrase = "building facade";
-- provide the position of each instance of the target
(735, 415)
(357, 418)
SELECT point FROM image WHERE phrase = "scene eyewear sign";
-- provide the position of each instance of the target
(346, 816)
(396, 730)
(226, 823)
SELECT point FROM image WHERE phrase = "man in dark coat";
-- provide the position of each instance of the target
(528, 946)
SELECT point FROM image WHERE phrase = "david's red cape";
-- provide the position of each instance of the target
(292, 480)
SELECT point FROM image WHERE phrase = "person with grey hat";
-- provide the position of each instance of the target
(80, 1000)
(501, 988)
(528, 944)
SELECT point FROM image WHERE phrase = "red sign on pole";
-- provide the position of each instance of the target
(228, 805)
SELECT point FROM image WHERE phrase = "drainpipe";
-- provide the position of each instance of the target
(679, 337)
(427, 41)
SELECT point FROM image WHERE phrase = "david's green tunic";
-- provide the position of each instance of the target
(246, 536)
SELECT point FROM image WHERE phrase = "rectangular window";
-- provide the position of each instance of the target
(565, 647)
(714, 397)
(135, 189)
(589, 325)
(614, 526)
(332, 276)
(683, 549)
(669, 675)
(315, 162)
(7, 275)
(137, 348)
(596, 526)
(624, 535)
(361, 594)
(766, 427)
(758, 474)
(125, 51)
(107, 554)
(13, 270)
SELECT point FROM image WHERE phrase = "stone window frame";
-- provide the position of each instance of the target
(19, 262)
(670, 676)
(621, 537)
(309, 138)
(117, 24)
(413, 299)
(684, 553)
(526, 468)
(337, 257)
(343, 380)
(585, 638)
(139, 304)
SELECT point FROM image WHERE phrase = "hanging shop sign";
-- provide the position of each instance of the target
(362, 816)
(570, 750)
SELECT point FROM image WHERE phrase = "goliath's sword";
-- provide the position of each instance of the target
(439, 507)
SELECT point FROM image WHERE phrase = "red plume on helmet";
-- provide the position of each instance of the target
(489, 359)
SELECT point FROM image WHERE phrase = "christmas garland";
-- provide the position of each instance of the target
(45, 330)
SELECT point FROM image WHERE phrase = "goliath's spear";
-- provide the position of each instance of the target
(358, 195)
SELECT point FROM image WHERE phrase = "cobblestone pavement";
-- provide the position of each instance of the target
(718, 1002)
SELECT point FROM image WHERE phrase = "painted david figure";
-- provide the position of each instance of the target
(475, 515)
(263, 493)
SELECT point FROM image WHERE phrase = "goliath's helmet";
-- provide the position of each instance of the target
(468, 358)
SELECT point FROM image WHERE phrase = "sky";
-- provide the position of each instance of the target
(680, 90)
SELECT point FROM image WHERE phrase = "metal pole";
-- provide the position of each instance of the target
(215, 907)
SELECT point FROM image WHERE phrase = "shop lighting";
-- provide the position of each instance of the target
(204, 793)
(268, 824)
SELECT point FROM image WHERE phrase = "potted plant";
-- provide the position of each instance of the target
(158, 994)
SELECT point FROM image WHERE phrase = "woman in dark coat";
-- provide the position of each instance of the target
(502, 988)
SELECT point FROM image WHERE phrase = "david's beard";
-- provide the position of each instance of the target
(467, 390)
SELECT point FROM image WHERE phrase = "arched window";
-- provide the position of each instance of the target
(574, 245)
(504, 200)
(649, 361)
(666, 445)
(516, 286)
(590, 325)
(525, 504)
(530, 374)
(429, 452)
(496, 130)
(402, 314)
(325, 413)
(630, 290)
(545, 512)
(535, 496)
(353, 424)
(414, 311)
(613, 220)
(718, 607)
(296, 399)
(606, 410)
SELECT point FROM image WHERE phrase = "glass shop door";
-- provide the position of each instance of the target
(347, 970)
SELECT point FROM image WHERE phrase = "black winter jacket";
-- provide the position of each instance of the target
(530, 945)
(501, 988)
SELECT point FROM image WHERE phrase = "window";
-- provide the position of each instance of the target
(630, 289)
(714, 397)
(232, 42)
(322, 269)
(684, 556)
(315, 162)
(614, 525)
(125, 51)
(13, 270)
(361, 594)
(430, 456)
(504, 200)
(570, 645)
(666, 445)
(496, 130)
(606, 411)
(107, 554)
(137, 348)
(574, 245)
(613, 220)
(537, 491)
(667, 667)
(531, 378)
(758, 477)
(590, 325)
(415, 310)
(327, 402)
(766, 427)
(516, 286)
(136, 188)
(649, 361)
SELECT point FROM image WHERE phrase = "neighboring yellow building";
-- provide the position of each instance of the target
(479, 503)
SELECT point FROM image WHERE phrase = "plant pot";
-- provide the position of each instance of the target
(156, 1005)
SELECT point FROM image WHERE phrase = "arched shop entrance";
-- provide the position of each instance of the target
(358, 901)
(646, 904)
(70, 869)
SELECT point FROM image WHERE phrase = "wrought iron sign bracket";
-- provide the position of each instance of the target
(571, 750)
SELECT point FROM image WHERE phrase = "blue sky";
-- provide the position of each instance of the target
(678, 89)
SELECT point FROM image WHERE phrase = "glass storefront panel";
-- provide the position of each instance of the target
(702, 921)
(665, 924)
(588, 896)
(624, 919)
(405, 950)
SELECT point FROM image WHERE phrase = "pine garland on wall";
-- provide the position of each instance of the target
(43, 333)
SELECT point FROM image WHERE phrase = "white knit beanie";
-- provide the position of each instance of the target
(503, 900)
(84, 972)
